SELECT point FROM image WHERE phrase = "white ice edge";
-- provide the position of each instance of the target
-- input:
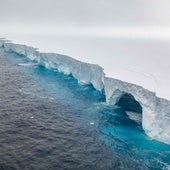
(156, 111)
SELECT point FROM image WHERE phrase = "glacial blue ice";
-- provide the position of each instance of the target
(155, 110)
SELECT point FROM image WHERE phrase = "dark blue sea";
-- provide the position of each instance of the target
(50, 122)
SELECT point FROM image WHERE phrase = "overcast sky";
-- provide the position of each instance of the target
(130, 39)
(86, 16)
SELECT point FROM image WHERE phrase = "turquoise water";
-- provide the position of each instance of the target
(109, 125)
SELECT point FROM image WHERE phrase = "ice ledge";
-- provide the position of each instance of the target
(156, 111)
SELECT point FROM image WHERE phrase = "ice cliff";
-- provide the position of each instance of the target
(2, 42)
(155, 111)
(24, 50)
(85, 73)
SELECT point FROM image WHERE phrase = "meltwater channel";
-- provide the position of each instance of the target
(48, 121)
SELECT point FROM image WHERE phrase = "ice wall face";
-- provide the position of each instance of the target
(2, 42)
(32, 53)
(85, 73)
(24, 50)
(17, 48)
(156, 111)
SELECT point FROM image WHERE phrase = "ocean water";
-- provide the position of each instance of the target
(50, 122)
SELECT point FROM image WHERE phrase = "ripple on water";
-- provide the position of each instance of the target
(48, 121)
(38, 134)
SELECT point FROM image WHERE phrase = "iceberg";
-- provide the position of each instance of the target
(155, 110)
(24, 50)
(85, 73)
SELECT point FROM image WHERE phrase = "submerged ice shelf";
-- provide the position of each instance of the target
(155, 110)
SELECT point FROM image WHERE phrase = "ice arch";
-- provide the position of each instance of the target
(155, 111)
(128, 103)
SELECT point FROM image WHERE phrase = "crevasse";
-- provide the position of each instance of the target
(155, 110)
